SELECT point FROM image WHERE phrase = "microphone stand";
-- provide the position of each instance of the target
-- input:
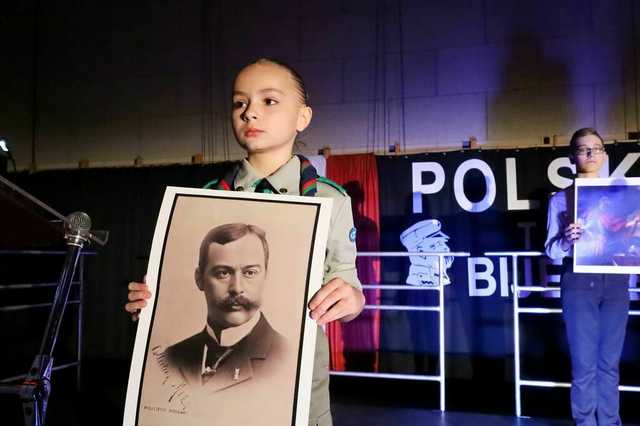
(35, 389)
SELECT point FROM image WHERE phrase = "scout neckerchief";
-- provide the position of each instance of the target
(308, 180)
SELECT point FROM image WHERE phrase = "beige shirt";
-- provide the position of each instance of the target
(340, 261)
(341, 247)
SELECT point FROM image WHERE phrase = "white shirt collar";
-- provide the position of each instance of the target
(232, 335)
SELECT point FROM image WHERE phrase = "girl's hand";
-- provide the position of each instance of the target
(336, 300)
(138, 295)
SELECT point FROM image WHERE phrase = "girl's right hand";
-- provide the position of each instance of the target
(138, 295)
(572, 233)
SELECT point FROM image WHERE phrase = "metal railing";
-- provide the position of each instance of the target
(34, 286)
(440, 308)
(517, 310)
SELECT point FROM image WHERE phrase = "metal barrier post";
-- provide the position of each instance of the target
(517, 310)
(79, 301)
(441, 331)
(439, 308)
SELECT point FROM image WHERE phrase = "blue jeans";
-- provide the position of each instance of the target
(595, 310)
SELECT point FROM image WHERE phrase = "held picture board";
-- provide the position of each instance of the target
(226, 337)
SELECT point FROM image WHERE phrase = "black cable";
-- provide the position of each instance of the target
(204, 95)
(385, 118)
(376, 73)
(34, 100)
(636, 59)
(403, 139)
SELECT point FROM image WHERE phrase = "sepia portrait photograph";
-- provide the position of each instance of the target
(228, 339)
(609, 211)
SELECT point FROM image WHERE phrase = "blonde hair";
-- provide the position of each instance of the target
(297, 78)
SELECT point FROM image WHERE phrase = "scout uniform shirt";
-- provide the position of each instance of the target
(340, 256)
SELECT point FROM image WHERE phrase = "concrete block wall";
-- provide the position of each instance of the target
(152, 78)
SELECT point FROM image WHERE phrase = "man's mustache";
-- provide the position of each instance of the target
(232, 301)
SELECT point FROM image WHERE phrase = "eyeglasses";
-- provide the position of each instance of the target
(586, 151)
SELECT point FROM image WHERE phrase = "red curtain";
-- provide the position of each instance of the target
(354, 345)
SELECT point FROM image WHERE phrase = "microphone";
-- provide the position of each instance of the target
(79, 221)
(36, 388)
(77, 227)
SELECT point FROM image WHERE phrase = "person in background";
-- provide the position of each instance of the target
(595, 307)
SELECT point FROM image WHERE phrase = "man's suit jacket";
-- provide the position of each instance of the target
(257, 355)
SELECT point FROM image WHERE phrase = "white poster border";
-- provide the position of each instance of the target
(601, 182)
(309, 326)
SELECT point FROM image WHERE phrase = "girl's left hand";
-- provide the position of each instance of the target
(336, 300)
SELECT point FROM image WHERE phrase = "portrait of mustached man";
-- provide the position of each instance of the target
(237, 342)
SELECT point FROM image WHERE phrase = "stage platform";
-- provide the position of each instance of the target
(355, 402)
(357, 415)
(350, 415)
(379, 402)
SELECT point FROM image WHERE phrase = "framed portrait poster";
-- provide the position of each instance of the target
(609, 211)
(226, 338)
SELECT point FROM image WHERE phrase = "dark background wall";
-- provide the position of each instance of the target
(109, 82)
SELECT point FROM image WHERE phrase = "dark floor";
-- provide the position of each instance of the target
(357, 415)
(355, 401)
(378, 402)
